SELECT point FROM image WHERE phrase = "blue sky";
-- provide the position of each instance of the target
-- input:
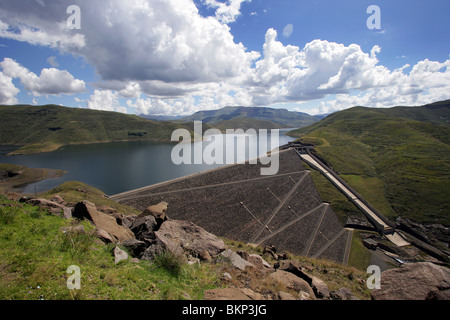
(180, 56)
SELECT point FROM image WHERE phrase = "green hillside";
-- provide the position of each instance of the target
(253, 117)
(247, 123)
(46, 128)
(397, 158)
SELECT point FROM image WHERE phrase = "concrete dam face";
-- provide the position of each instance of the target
(237, 203)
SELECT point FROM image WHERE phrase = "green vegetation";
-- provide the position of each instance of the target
(14, 176)
(248, 123)
(35, 255)
(74, 191)
(396, 158)
(359, 255)
(257, 118)
(47, 128)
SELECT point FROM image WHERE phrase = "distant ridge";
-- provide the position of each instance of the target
(46, 128)
(253, 117)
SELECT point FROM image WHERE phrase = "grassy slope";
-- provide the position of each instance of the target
(35, 253)
(399, 164)
(46, 128)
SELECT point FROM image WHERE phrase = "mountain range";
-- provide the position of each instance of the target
(397, 158)
(253, 117)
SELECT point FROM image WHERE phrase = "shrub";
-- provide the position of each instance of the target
(170, 262)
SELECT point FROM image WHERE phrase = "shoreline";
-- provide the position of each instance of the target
(47, 147)
(50, 147)
(21, 176)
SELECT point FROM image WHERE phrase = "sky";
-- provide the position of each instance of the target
(176, 57)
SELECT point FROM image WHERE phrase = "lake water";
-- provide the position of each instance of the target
(120, 166)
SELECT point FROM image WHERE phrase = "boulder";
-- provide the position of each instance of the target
(58, 199)
(158, 211)
(112, 212)
(226, 276)
(414, 281)
(87, 210)
(259, 262)
(152, 251)
(271, 250)
(204, 255)
(285, 296)
(52, 207)
(236, 260)
(135, 247)
(163, 242)
(144, 228)
(291, 266)
(342, 294)
(119, 255)
(107, 209)
(128, 220)
(104, 236)
(303, 296)
(67, 213)
(191, 238)
(291, 281)
(256, 260)
(319, 287)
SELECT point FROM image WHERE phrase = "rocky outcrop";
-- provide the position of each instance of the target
(192, 238)
(256, 260)
(431, 233)
(87, 210)
(183, 238)
(148, 235)
(291, 281)
(144, 229)
(158, 211)
(236, 260)
(414, 281)
(135, 247)
(342, 294)
(52, 207)
(319, 287)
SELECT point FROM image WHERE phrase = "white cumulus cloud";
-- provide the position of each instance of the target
(51, 81)
(228, 11)
(164, 57)
(287, 31)
(105, 100)
(8, 90)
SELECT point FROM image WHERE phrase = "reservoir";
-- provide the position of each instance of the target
(121, 166)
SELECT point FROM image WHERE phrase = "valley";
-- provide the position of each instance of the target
(360, 187)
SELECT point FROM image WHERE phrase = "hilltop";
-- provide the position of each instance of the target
(46, 128)
(397, 158)
(253, 117)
